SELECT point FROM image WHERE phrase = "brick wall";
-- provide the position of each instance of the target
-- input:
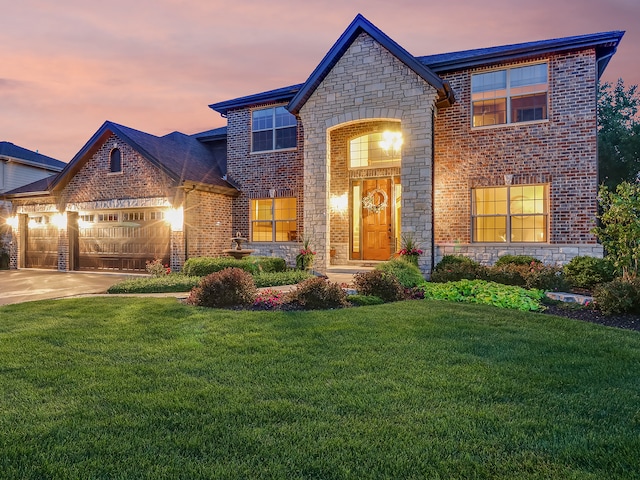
(560, 151)
(208, 223)
(255, 174)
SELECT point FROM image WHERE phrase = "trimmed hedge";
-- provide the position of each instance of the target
(408, 274)
(516, 260)
(203, 266)
(587, 272)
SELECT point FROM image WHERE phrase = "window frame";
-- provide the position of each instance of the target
(112, 163)
(509, 96)
(272, 219)
(510, 215)
(273, 129)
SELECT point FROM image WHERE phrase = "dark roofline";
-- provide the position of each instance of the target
(211, 135)
(279, 95)
(604, 42)
(15, 153)
(359, 25)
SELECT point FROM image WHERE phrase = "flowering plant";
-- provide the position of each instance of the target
(156, 268)
(410, 249)
(304, 259)
(268, 299)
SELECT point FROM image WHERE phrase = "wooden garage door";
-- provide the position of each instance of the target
(41, 242)
(122, 240)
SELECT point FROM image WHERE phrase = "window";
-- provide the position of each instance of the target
(132, 216)
(513, 95)
(382, 149)
(108, 217)
(273, 129)
(273, 220)
(115, 161)
(515, 213)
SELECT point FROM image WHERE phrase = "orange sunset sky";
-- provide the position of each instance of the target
(155, 65)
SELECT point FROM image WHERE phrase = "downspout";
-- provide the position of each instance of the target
(433, 196)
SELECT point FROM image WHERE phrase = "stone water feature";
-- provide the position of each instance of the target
(238, 252)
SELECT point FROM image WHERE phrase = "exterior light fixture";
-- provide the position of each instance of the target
(175, 218)
(339, 203)
(391, 142)
(59, 220)
(13, 222)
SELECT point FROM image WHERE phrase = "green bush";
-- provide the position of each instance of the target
(379, 284)
(587, 272)
(533, 275)
(516, 260)
(227, 288)
(316, 294)
(274, 279)
(175, 282)
(457, 267)
(364, 300)
(407, 273)
(202, 266)
(621, 295)
(487, 293)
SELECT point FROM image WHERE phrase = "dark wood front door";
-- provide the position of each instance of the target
(376, 219)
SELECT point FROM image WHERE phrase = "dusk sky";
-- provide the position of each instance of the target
(155, 65)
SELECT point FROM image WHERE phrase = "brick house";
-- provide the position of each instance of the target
(482, 152)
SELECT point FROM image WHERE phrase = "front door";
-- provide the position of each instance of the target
(376, 219)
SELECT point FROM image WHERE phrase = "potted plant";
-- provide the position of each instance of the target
(410, 250)
(304, 259)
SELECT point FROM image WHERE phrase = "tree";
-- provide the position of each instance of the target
(618, 134)
(619, 230)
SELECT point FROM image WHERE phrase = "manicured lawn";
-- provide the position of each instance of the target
(150, 388)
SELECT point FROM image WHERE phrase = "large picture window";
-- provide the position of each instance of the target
(512, 95)
(273, 220)
(273, 129)
(516, 213)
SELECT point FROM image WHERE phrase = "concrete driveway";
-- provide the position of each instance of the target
(18, 286)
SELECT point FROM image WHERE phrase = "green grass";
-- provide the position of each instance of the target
(150, 388)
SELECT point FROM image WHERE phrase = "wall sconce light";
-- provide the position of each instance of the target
(59, 220)
(175, 218)
(272, 192)
(339, 203)
(13, 222)
(508, 179)
(391, 141)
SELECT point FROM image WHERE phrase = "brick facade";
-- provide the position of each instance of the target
(560, 152)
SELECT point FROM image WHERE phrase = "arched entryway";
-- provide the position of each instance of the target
(365, 190)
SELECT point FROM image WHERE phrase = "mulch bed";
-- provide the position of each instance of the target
(627, 321)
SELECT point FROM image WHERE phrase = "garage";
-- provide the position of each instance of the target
(41, 242)
(121, 240)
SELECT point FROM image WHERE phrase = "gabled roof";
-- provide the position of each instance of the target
(12, 152)
(605, 44)
(180, 156)
(272, 96)
(39, 187)
(358, 26)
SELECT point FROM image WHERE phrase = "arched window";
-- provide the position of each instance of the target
(115, 161)
(380, 149)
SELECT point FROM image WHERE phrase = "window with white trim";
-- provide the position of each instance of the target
(273, 129)
(511, 95)
(516, 213)
(273, 220)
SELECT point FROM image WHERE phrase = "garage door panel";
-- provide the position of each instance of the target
(42, 244)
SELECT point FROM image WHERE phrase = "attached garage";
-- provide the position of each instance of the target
(41, 241)
(122, 240)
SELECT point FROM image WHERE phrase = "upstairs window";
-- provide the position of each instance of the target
(511, 95)
(273, 129)
(115, 161)
(381, 149)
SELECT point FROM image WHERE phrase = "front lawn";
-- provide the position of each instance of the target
(151, 388)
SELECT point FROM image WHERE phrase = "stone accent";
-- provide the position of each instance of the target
(560, 152)
(552, 254)
(368, 84)
(177, 251)
(63, 250)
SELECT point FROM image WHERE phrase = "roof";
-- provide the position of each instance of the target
(15, 153)
(605, 44)
(182, 157)
(39, 187)
(211, 135)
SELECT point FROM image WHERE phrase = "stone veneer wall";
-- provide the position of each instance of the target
(255, 174)
(369, 83)
(560, 152)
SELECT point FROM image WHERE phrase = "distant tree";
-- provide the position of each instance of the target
(618, 134)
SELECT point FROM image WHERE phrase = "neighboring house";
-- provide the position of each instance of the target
(482, 152)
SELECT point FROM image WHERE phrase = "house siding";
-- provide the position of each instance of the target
(560, 152)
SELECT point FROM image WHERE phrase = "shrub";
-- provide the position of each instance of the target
(621, 295)
(487, 293)
(457, 267)
(379, 284)
(516, 260)
(407, 273)
(534, 275)
(273, 279)
(268, 299)
(364, 300)
(202, 266)
(176, 282)
(227, 288)
(587, 272)
(317, 293)
(156, 268)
